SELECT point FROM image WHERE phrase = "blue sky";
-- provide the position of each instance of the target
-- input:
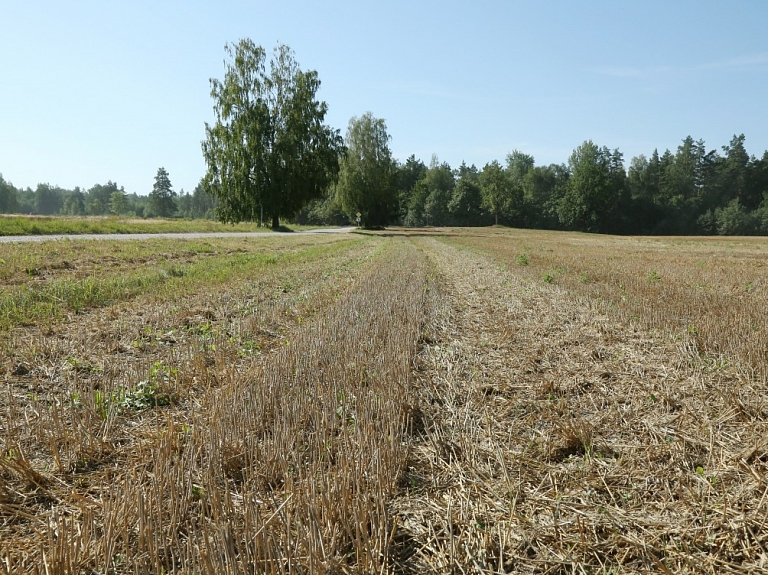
(95, 90)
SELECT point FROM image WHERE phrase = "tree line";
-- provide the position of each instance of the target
(690, 191)
(270, 151)
(107, 200)
(270, 155)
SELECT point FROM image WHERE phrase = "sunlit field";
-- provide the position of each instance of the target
(407, 401)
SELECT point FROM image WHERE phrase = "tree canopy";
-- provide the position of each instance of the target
(495, 188)
(594, 190)
(269, 150)
(367, 177)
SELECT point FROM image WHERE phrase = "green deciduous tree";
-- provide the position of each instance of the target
(269, 149)
(466, 197)
(594, 191)
(495, 189)
(543, 188)
(518, 165)
(407, 175)
(48, 199)
(74, 204)
(440, 182)
(99, 196)
(367, 176)
(162, 198)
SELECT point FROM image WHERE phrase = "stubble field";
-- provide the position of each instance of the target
(468, 401)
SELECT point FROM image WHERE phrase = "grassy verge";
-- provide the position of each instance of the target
(51, 225)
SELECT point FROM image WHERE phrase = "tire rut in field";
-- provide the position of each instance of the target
(555, 439)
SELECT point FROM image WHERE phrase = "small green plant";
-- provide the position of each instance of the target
(198, 491)
(548, 278)
(247, 348)
(584, 278)
(82, 365)
(145, 395)
(176, 271)
(102, 401)
(522, 260)
(653, 277)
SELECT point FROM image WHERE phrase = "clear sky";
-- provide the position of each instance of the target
(97, 90)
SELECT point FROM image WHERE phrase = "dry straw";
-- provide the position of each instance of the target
(402, 405)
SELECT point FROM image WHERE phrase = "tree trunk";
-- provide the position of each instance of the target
(275, 222)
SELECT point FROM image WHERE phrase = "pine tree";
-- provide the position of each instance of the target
(161, 200)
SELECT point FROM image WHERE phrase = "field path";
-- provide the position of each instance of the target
(167, 235)
(554, 439)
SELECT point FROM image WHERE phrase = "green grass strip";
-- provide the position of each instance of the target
(27, 305)
(52, 225)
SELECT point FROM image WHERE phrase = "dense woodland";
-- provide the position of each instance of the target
(692, 190)
(689, 191)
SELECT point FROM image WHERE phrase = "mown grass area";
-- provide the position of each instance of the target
(54, 225)
(58, 282)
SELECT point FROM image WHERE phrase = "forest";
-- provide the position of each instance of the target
(690, 191)
(106, 200)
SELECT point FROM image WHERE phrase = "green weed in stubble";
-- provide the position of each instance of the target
(146, 394)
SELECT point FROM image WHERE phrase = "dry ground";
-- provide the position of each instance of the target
(451, 401)
(557, 439)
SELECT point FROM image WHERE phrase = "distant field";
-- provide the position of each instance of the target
(49, 225)
(405, 401)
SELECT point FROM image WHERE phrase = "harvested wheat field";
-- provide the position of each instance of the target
(441, 401)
